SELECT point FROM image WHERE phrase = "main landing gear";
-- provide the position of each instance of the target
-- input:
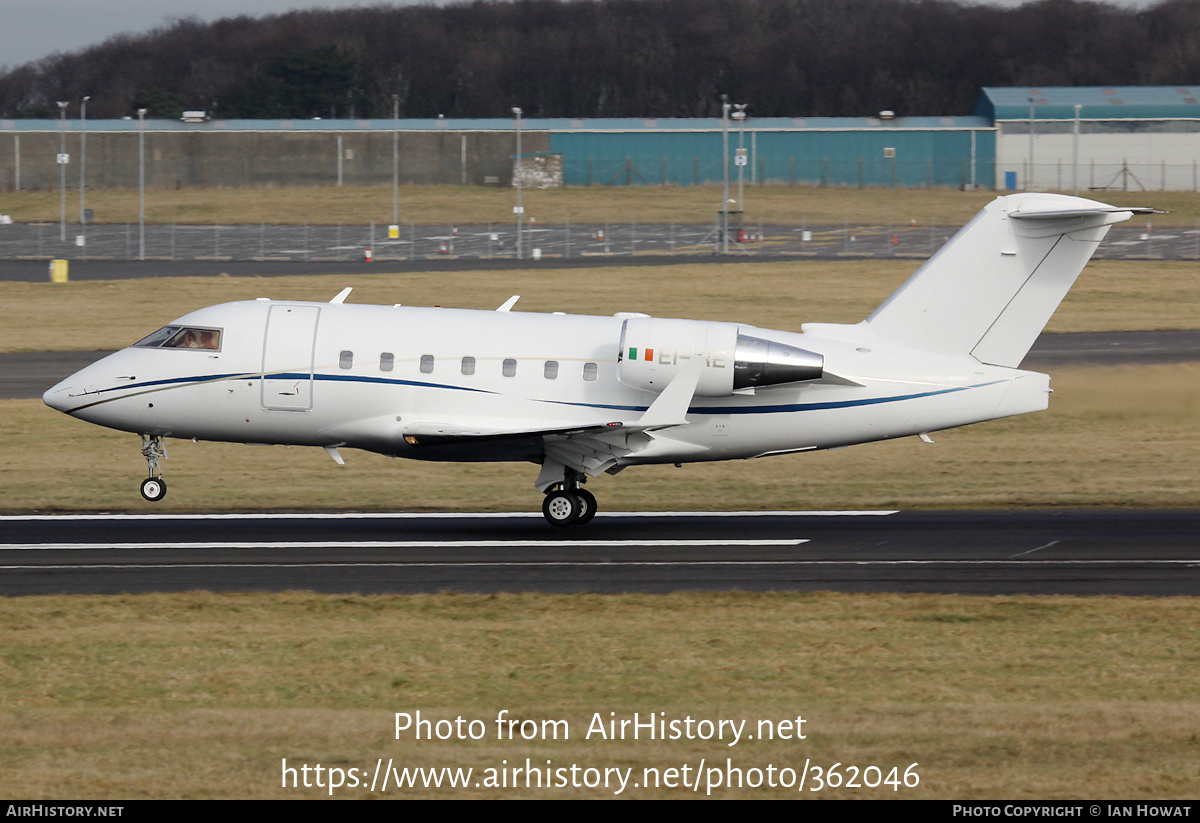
(568, 503)
(154, 488)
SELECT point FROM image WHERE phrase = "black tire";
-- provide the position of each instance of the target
(587, 502)
(561, 508)
(154, 489)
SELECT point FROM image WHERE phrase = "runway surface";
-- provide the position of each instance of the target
(1079, 552)
(28, 374)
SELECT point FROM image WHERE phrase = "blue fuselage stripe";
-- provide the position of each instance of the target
(212, 378)
(782, 408)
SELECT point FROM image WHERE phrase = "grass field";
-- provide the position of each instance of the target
(87, 315)
(202, 695)
(444, 205)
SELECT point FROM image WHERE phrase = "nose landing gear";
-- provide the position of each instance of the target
(154, 488)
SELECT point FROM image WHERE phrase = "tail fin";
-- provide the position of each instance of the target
(991, 290)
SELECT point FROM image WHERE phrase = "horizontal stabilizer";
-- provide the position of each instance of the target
(1061, 214)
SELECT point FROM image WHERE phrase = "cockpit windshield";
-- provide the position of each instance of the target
(182, 337)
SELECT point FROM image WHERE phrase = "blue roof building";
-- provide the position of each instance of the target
(1095, 137)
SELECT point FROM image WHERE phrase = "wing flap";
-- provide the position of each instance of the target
(440, 434)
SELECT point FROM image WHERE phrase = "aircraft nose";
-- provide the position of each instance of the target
(58, 397)
(67, 395)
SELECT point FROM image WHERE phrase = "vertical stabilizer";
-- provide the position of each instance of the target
(992, 288)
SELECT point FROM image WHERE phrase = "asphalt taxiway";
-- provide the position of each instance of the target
(1079, 552)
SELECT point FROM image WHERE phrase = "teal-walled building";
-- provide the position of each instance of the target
(887, 152)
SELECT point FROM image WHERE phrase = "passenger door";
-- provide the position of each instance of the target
(288, 354)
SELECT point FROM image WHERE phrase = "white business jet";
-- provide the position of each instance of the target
(581, 395)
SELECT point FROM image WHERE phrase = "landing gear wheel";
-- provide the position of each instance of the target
(587, 502)
(562, 508)
(154, 489)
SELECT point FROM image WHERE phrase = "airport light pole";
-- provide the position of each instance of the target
(141, 184)
(1075, 172)
(520, 210)
(395, 159)
(740, 116)
(724, 213)
(1029, 182)
(62, 170)
(82, 162)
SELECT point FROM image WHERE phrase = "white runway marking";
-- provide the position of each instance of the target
(426, 515)
(1038, 549)
(392, 544)
(594, 563)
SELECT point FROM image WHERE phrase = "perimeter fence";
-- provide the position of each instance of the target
(494, 241)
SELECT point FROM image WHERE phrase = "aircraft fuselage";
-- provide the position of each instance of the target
(320, 374)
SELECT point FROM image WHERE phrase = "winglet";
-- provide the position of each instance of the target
(342, 295)
(509, 303)
(670, 407)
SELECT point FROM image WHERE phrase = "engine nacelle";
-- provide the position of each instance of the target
(653, 351)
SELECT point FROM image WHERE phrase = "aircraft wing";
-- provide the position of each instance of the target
(588, 449)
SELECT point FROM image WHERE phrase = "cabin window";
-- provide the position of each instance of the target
(180, 337)
(346, 360)
(510, 367)
(386, 361)
(468, 365)
(426, 363)
(589, 372)
(551, 371)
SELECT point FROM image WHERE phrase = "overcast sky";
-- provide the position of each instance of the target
(31, 30)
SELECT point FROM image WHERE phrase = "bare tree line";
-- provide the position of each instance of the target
(615, 58)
